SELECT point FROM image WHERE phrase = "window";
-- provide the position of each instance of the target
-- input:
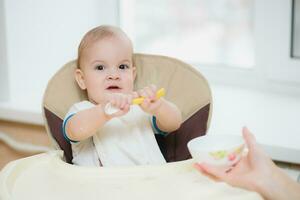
(198, 31)
(274, 29)
(239, 42)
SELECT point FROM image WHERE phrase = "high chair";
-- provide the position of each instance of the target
(184, 85)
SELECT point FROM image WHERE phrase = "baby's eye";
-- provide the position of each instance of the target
(123, 66)
(99, 67)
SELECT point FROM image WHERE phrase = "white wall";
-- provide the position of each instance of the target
(41, 36)
(296, 45)
(4, 93)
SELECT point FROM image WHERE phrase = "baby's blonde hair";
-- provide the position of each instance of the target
(96, 34)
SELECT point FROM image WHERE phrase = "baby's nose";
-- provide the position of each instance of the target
(113, 74)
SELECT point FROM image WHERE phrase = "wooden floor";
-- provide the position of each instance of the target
(22, 132)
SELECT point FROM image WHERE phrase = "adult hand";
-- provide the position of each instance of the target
(255, 172)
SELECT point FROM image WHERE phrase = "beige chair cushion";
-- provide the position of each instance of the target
(184, 85)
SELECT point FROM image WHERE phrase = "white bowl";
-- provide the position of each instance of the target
(219, 150)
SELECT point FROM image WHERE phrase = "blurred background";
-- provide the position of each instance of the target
(248, 50)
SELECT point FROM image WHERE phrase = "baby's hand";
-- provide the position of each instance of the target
(150, 103)
(120, 102)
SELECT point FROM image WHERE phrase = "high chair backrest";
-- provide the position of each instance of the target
(184, 85)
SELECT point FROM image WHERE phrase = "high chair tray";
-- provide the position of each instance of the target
(47, 176)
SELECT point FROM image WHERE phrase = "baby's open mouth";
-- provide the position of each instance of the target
(113, 88)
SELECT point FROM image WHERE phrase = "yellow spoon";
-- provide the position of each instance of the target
(109, 109)
(160, 93)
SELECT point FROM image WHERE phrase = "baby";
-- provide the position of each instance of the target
(126, 137)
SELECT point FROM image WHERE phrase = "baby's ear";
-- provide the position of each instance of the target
(134, 72)
(79, 76)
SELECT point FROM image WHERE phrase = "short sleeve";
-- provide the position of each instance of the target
(155, 128)
(83, 105)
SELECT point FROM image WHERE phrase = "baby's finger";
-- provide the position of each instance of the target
(126, 108)
(145, 103)
(153, 88)
(135, 95)
(150, 93)
(112, 101)
(122, 101)
(129, 99)
(117, 101)
(118, 113)
(143, 93)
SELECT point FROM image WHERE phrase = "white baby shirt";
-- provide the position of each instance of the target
(122, 141)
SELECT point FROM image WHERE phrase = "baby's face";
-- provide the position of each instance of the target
(107, 67)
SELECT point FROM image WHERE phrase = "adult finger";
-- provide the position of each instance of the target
(255, 151)
(249, 139)
(212, 170)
